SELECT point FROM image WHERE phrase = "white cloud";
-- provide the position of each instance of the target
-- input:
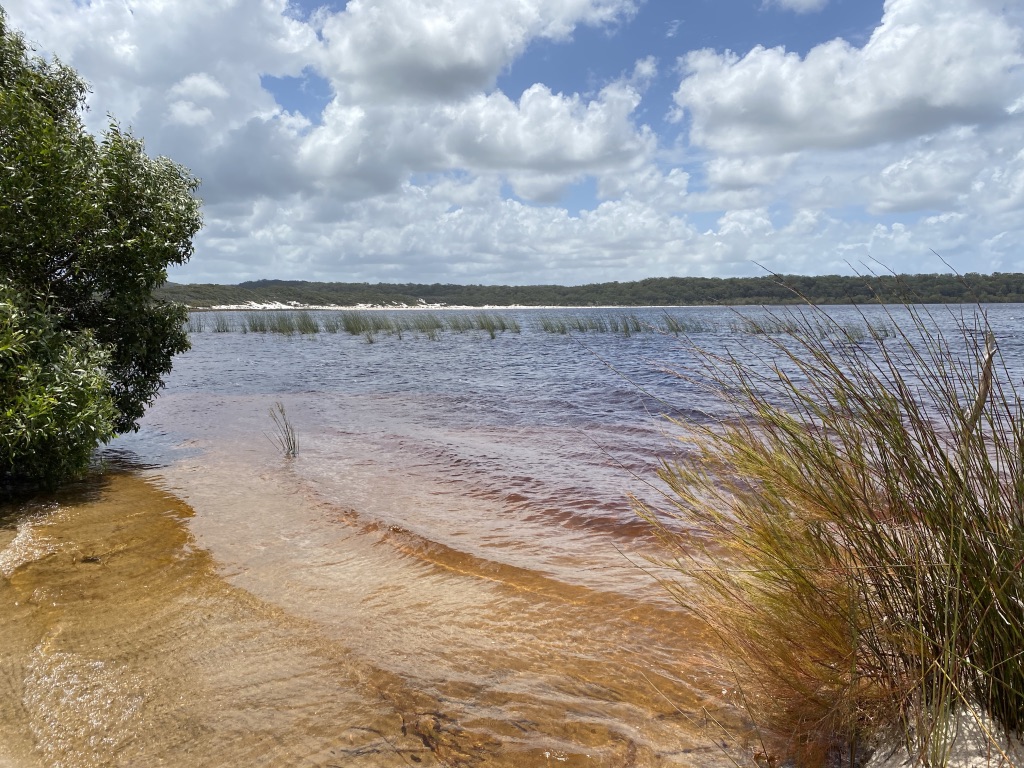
(929, 65)
(199, 86)
(548, 132)
(798, 6)
(445, 49)
(187, 113)
(931, 177)
(737, 173)
(414, 166)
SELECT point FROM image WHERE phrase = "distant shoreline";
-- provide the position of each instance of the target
(289, 307)
(653, 292)
(280, 306)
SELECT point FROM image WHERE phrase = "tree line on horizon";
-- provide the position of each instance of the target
(998, 287)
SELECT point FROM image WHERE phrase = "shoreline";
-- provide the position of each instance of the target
(296, 306)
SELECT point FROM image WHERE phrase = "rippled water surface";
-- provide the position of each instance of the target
(448, 574)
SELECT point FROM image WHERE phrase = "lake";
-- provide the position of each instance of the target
(449, 573)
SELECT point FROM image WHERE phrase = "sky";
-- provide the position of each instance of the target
(568, 141)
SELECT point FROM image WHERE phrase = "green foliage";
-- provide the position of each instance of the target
(55, 402)
(660, 291)
(853, 531)
(91, 225)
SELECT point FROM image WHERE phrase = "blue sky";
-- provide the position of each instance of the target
(569, 141)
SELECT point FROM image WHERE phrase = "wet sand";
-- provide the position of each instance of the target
(142, 630)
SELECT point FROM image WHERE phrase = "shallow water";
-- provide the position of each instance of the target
(447, 574)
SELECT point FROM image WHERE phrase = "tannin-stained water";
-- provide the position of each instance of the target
(448, 574)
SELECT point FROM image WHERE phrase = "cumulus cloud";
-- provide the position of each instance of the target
(798, 6)
(547, 131)
(414, 165)
(445, 49)
(929, 65)
(727, 172)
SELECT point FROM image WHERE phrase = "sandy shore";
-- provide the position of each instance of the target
(975, 744)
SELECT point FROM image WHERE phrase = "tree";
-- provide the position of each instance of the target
(88, 228)
(55, 395)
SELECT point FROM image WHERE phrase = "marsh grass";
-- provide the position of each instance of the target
(370, 325)
(426, 323)
(221, 323)
(679, 327)
(306, 323)
(284, 437)
(854, 532)
(772, 325)
(626, 324)
(494, 323)
(554, 325)
(460, 323)
(256, 322)
(282, 323)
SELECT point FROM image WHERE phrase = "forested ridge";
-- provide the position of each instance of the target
(655, 291)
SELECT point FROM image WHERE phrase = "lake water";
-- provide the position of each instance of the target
(449, 573)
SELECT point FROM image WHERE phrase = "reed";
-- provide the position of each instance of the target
(196, 322)
(256, 322)
(426, 322)
(854, 533)
(306, 323)
(284, 437)
(773, 325)
(221, 323)
(281, 322)
(625, 324)
(460, 323)
(331, 322)
(361, 323)
(493, 323)
(355, 323)
(554, 325)
(679, 327)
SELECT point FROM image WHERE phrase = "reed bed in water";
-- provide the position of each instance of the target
(773, 324)
(222, 323)
(854, 533)
(195, 323)
(370, 325)
(627, 324)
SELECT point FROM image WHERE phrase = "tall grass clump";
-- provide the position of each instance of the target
(679, 326)
(459, 323)
(196, 322)
(554, 325)
(494, 323)
(306, 323)
(775, 325)
(282, 322)
(256, 322)
(331, 322)
(853, 533)
(284, 436)
(427, 323)
(221, 323)
(367, 323)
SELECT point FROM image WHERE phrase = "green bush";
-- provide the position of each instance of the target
(91, 225)
(55, 402)
(853, 532)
